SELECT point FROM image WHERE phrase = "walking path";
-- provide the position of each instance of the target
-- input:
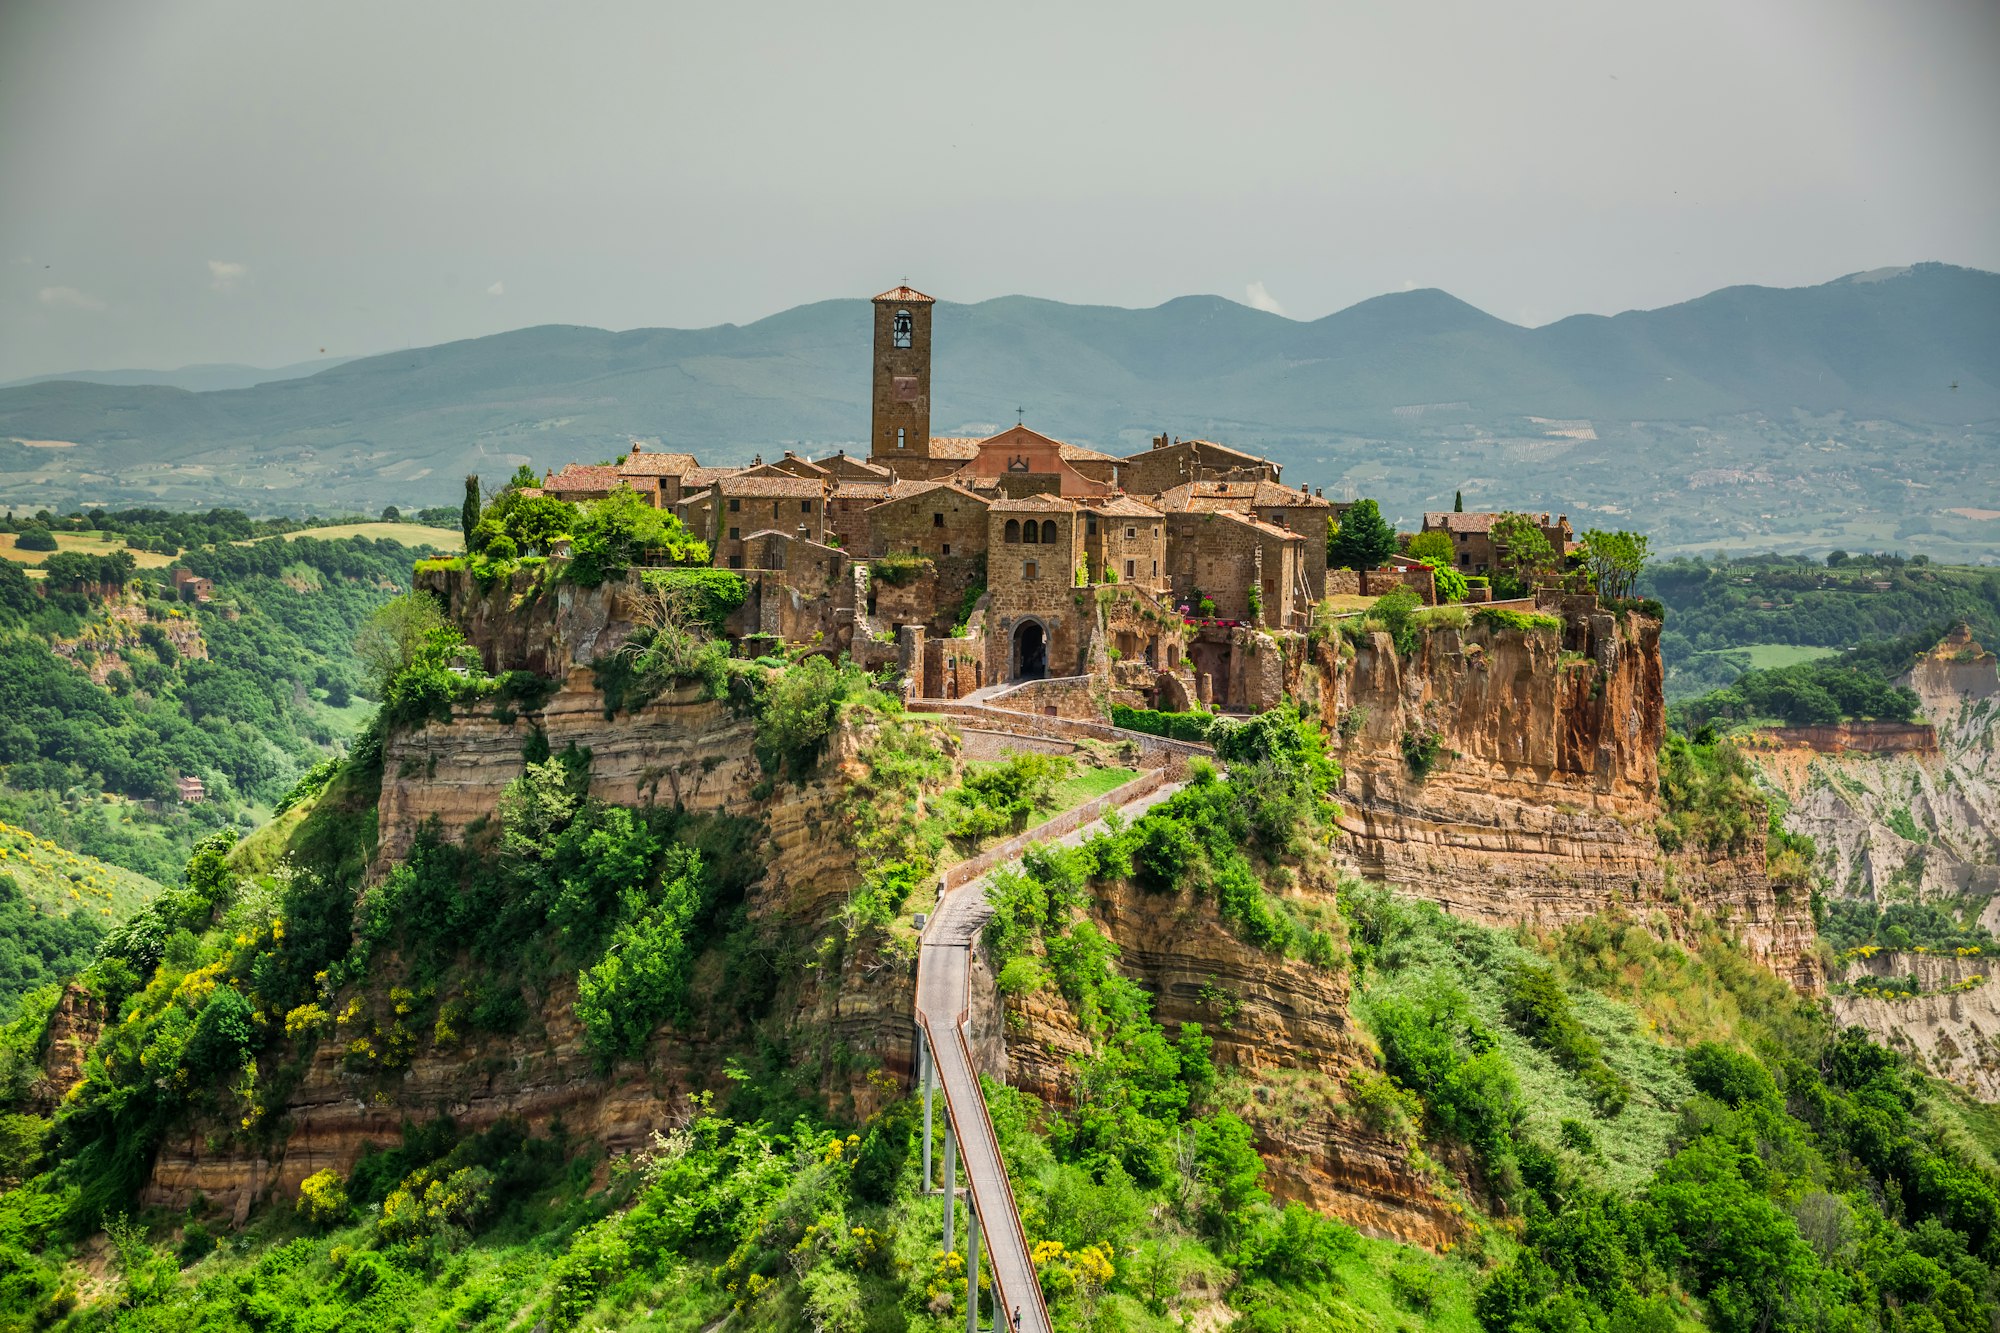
(944, 973)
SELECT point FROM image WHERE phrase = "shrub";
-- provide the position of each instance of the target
(1506, 617)
(1190, 726)
(1539, 1009)
(323, 1199)
(799, 710)
(35, 537)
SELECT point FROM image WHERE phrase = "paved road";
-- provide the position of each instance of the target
(944, 968)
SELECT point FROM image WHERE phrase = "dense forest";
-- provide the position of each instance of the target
(1719, 610)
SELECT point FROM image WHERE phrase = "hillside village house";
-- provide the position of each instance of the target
(1472, 537)
(1017, 556)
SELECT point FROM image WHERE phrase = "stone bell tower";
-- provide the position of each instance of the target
(900, 431)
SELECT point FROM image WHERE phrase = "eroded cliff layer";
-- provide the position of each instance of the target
(1512, 779)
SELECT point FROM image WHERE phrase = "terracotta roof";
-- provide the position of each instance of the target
(707, 476)
(1034, 504)
(694, 498)
(1127, 507)
(1205, 444)
(860, 490)
(838, 463)
(743, 484)
(1480, 522)
(1267, 529)
(954, 446)
(639, 464)
(1194, 497)
(578, 477)
(906, 295)
(1073, 452)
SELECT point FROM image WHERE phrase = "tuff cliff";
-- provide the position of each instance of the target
(1918, 827)
(1512, 775)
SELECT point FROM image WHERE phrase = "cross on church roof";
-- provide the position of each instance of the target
(1020, 415)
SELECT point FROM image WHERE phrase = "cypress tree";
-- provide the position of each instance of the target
(1458, 502)
(468, 514)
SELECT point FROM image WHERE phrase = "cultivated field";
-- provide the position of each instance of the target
(409, 534)
(88, 543)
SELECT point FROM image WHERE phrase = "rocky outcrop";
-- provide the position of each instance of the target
(73, 1027)
(1282, 1021)
(531, 621)
(1916, 827)
(1512, 775)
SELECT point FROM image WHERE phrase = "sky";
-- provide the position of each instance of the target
(187, 181)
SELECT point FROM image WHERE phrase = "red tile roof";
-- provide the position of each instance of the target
(1034, 504)
(643, 464)
(1193, 497)
(578, 477)
(1125, 506)
(1479, 522)
(906, 296)
(954, 446)
(742, 484)
(706, 476)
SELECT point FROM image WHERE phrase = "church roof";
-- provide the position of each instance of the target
(955, 446)
(1074, 452)
(906, 296)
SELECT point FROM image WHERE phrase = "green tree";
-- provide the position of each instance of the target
(396, 636)
(1615, 560)
(468, 512)
(1363, 540)
(1432, 545)
(35, 537)
(1458, 502)
(1525, 557)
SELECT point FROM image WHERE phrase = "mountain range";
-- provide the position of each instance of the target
(1822, 393)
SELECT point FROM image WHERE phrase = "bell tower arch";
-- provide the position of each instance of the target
(900, 430)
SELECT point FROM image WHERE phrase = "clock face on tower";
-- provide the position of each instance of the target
(905, 388)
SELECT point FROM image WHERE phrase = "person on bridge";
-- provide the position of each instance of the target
(1017, 1316)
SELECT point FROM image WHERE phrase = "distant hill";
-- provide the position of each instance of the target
(1408, 396)
(195, 379)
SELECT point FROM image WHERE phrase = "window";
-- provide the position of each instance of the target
(735, 506)
(736, 562)
(1028, 569)
(805, 506)
(1029, 532)
(1048, 531)
(947, 548)
(734, 533)
(899, 437)
(1156, 569)
(902, 330)
(1461, 536)
(1091, 530)
(1131, 568)
(1465, 562)
(937, 520)
(1012, 532)
(1130, 533)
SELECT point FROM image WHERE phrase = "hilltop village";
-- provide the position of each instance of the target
(974, 563)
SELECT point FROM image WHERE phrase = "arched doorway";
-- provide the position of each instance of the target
(1031, 651)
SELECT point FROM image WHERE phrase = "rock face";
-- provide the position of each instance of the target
(1917, 827)
(1282, 1021)
(72, 1030)
(1540, 803)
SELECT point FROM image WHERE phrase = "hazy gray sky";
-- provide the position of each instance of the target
(256, 182)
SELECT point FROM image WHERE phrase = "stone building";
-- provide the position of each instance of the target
(1165, 465)
(579, 482)
(1472, 537)
(935, 518)
(971, 561)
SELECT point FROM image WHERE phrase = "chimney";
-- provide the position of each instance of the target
(757, 460)
(790, 454)
(1302, 488)
(1319, 492)
(804, 534)
(638, 448)
(1160, 440)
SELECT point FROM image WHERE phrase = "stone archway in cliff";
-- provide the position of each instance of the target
(1031, 651)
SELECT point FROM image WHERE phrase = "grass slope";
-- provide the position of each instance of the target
(63, 881)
